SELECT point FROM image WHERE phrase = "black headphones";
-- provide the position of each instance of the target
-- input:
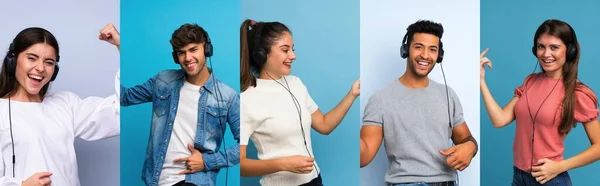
(259, 55)
(404, 49)
(571, 47)
(208, 48)
(11, 62)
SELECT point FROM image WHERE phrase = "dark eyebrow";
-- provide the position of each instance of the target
(555, 45)
(32, 54)
(421, 44)
(36, 56)
(284, 46)
(193, 48)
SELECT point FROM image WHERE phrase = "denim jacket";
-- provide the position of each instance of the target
(163, 90)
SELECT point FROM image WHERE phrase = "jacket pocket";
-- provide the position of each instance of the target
(161, 104)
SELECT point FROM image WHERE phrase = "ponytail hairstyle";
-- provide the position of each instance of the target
(256, 39)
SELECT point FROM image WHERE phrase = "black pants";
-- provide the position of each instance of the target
(315, 182)
(183, 183)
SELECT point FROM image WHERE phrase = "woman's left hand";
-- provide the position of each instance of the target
(546, 170)
(355, 90)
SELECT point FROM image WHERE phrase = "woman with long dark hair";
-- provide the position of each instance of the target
(276, 109)
(38, 127)
(546, 107)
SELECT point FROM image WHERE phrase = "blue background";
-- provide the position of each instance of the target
(326, 38)
(146, 28)
(507, 28)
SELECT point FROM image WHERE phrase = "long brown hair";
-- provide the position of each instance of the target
(250, 67)
(24, 40)
(566, 34)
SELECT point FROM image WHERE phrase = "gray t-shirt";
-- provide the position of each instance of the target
(415, 128)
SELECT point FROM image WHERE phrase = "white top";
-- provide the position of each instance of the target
(268, 116)
(184, 131)
(44, 134)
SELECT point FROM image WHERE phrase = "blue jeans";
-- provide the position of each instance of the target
(522, 178)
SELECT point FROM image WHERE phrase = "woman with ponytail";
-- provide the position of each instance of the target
(277, 111)
(546, 107)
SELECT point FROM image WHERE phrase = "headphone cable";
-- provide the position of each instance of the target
(299, 110)
(224, 127)
(12, 140)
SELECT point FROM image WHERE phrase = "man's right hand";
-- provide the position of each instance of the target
(38, 179)
(298, 164)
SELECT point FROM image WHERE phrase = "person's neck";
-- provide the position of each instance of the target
(554, 75)
(412, 81)
(22, 95)
(269, 75)
(200, 79)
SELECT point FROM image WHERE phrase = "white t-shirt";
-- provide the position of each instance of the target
(268, 116)
(44, 134)
(184, 131)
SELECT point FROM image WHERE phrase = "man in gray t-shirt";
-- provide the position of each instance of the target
(416, 117)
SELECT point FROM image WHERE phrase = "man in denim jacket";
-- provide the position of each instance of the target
(190, 111)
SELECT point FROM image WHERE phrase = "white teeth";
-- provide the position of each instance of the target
(423, 63)
(548, 61)
(35, 77)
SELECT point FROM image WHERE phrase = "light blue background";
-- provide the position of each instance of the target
(87, 65)
(383, 25)
(507, 28)
(326, 35)
(146, 31)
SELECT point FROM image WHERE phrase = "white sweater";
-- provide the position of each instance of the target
(270, 119)
(44, 134)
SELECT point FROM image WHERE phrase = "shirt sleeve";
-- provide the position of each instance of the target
(373, 112)
(95, 118)
(586, 104)
(247, 123)
(310, 103)
(520, 89)
(138, 94)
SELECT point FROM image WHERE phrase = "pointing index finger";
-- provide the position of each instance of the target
(483, 53)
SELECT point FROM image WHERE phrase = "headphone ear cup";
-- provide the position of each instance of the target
(175, 58)
(404, 51)
(534, 51)
(208, 49)
(571, 52)
(440, 55)
(11, 64)
(259, 56)
(55, 73)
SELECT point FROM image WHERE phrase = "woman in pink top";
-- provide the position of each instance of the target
(546, 107)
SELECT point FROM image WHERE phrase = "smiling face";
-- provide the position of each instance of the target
(423, 52)
(35, 66)
(191, 59)
(551, 52)
(281, 56)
